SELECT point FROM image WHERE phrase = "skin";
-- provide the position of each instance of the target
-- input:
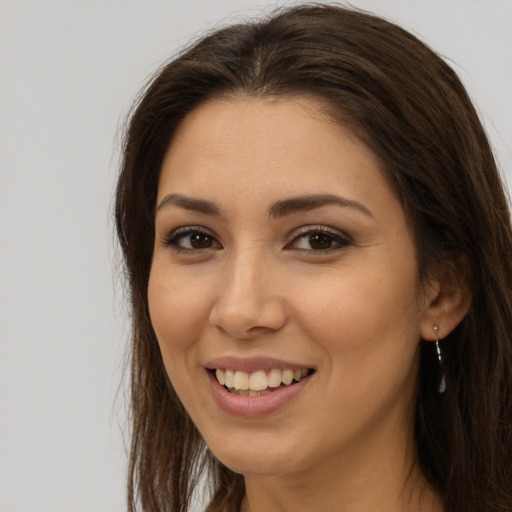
(355, 312)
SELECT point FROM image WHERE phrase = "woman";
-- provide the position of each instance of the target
(317, 244)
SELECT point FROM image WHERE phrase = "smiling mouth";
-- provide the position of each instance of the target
(259, 383)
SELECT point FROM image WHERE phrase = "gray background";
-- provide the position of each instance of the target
(68, 73)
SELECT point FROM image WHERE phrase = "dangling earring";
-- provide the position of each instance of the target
(441, 382)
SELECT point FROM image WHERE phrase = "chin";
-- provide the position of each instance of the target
(259, 467)
(256, 458)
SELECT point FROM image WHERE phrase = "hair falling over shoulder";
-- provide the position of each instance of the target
(410, 108)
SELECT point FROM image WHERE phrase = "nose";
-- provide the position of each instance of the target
(248, 303)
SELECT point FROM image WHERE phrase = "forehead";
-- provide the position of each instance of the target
(287, 142)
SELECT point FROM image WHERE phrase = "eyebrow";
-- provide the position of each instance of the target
(190, 203)
(278, 209)
(310, 202)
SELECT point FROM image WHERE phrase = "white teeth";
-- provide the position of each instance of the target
(274, 378)
(258, 383)
(229, 379)
(241, 380)
(220, 377)
(287, 377)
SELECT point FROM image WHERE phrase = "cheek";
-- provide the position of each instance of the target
(178, 313)
(366, 317)
(368, 328)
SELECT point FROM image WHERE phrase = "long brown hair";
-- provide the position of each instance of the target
(410, 108)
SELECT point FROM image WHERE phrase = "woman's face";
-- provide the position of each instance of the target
(282, 253)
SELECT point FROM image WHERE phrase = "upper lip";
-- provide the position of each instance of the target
(253, 364)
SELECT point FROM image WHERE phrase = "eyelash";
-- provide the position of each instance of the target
(179, 234)
(338, 239)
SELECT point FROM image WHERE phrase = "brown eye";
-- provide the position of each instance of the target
(191, 239)
(320, 241)
(201, 241)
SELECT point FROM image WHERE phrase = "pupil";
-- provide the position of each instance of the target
(320, 241)
(200, 241)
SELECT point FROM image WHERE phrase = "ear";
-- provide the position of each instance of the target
(447, 300)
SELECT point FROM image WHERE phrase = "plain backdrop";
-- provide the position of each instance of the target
(69, 70)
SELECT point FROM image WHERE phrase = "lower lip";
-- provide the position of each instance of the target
(255, 406)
